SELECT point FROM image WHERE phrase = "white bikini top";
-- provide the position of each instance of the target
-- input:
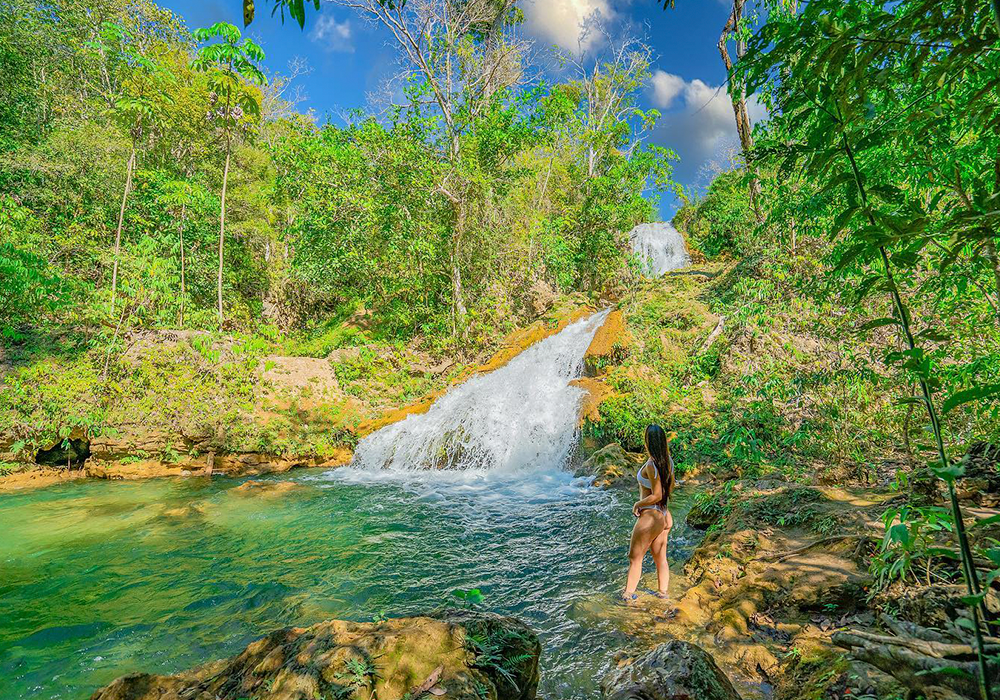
(643, 480)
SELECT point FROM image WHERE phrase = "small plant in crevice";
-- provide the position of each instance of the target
(496, 650)
(359, 673)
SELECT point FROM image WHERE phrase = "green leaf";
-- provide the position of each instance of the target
(879, 323)
(967, 395)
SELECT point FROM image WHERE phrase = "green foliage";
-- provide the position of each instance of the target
(30, 288)
(498, 649)
(911, 538)
(470, 598)
(231, 65)
(722, 222)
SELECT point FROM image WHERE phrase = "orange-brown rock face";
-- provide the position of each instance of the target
(611, 344)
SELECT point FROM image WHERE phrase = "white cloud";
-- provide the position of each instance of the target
(666, 87)
(334, 35)
(567, 23)
(701, 127)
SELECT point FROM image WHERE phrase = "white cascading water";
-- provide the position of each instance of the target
(660, 246)
(521, 416)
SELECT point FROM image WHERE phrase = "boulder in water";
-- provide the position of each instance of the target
(675, 670)
(611, 466)
(461, 655)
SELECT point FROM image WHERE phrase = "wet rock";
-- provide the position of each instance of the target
(266, 488)
(703, 514)
(611, 466)
(675, 670)
(597, 392)
(442, 656)
(612, 343)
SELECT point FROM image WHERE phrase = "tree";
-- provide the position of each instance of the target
(137, 106)
(737, 90)
(860, 90)
(178, 196)
(232, 67)
(464, 54)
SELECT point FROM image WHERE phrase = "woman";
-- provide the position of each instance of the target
(653, 520)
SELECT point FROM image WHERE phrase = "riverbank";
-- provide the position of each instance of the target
(258, 414)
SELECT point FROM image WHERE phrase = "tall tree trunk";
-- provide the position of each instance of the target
(121, 221)
(743, 126)
(183, 285)
(458, 295)
(222, 224)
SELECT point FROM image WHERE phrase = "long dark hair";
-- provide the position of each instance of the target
(659, 451)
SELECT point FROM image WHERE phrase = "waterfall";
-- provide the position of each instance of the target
(660, 247)
(523, 415)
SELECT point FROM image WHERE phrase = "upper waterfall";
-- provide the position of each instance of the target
(660, 246)
(522, 415)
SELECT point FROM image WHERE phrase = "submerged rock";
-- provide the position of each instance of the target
(611, 466)
(266, 488)
(675, 670)
(458, 655)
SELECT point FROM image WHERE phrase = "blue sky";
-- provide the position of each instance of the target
(348, 59)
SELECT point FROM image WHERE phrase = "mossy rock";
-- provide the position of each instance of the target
(611, 466)
(458, 655)
(675, 670)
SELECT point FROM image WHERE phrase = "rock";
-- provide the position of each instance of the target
(611, 466)
(65, 454)
(612, 343)
(703, 514)
(542, 297)
(387, 660)
(298, 376)
(981, 481)
(266, 488)
(597, 392)
(675, 670)
(342, 355)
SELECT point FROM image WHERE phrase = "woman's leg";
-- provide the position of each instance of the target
(646, 529)
(658, 549)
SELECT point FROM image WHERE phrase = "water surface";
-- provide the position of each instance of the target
(100, 579)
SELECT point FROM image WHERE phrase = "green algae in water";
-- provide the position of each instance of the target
(102, 579)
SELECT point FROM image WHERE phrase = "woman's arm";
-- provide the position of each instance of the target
(655, 493)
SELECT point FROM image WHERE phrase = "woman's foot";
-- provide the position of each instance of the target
(663, 595)
(629, 598)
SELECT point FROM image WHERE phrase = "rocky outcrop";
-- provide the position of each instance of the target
(612, 343)
(70, 453)
(459, 655)
(611, 466)
(675, 670)
(137, 454)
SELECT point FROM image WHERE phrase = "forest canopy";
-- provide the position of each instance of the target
(151, 177)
